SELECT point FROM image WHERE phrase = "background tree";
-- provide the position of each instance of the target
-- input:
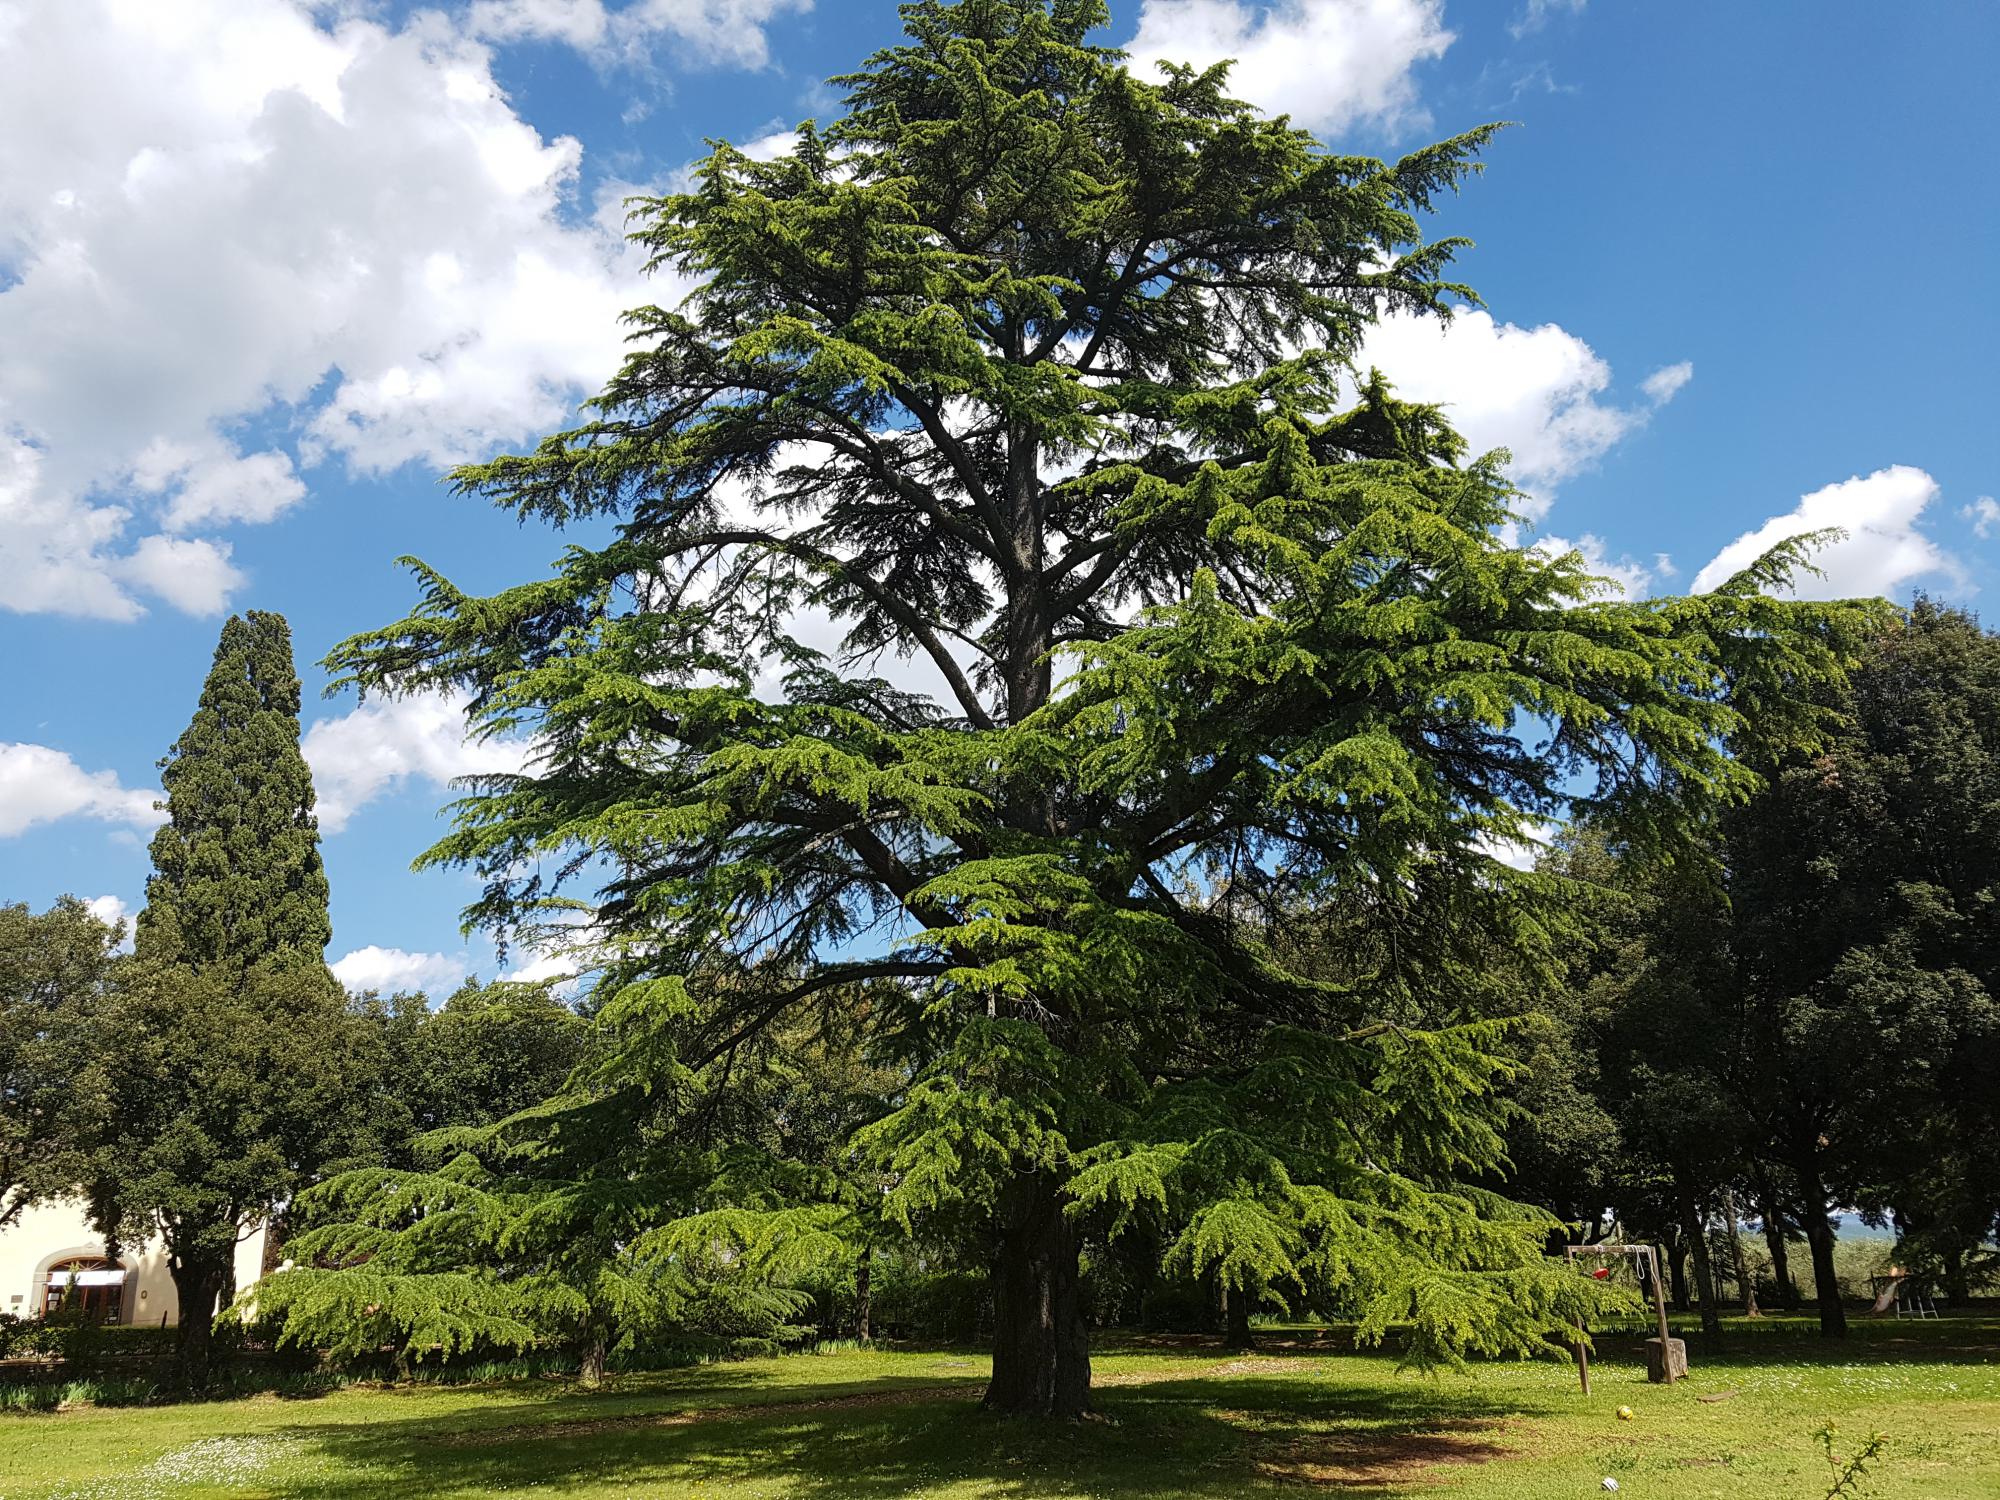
(1802, 1004)
(226, 1068)
(1027, 366)
(486, 1052)
(52, 965)
(1859, 884)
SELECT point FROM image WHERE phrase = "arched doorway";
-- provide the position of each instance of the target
(89, 1284)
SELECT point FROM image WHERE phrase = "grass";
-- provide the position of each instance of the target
(1178, 1418)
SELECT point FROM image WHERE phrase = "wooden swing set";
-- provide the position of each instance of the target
(1666, 1356)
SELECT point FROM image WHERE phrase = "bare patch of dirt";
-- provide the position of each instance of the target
(1371, 1460)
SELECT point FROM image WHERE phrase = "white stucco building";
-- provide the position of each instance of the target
(52, 1244)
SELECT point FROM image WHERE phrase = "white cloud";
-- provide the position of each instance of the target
(1984, 514)
(40, 785)
(1631, 579)
(1538, 392)
(1883, 548)
(214, 484)
(392, 969)
(193, 574)
(239, 213)
(1330, 64)
(1665, 383)
(1535, 14)
(771, 145)
(724, 32)
(544, 966)
(385, 742)
(111, 910)
(1520, 853)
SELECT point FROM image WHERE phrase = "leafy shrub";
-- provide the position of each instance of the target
(948, 1306)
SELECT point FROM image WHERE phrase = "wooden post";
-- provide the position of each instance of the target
(1582, 1345)
(1672, 1360)
(1659, 1295)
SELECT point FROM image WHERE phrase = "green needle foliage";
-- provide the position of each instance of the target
(463, 1260)
(1041, 374)
(636, 1209)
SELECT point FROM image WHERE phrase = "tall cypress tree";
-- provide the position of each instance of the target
(224, 1075)
(1043, 373)
(237, 875)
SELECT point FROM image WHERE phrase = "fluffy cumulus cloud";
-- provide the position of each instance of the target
(391, 969)
(1882, 548)
(111, 911)
(386, 743)
(248, 219)
(1984, 514)
(40, 785)
(1538, 392)
(1330, 64)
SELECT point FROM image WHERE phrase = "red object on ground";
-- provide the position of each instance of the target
(1601, 1273)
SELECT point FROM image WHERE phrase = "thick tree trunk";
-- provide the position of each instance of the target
(1237, 1303)
(864, 1295)
(1677, 1280)
(1041, 1348)
(1819, 1236)
(1696, 1234)
(274, 1244)
(1956, 1285)
(197, 1286)
(1746, 1284)
(590, 1365)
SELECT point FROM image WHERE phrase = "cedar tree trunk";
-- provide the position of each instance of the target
(590, 1367)
(1237, 1301)
(1041, 1348)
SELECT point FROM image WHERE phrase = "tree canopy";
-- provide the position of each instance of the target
(52, 965)
(1042, 375)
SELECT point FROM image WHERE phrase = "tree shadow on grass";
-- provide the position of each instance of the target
(1222, 1435)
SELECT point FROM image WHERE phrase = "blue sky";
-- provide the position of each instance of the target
(267, 268)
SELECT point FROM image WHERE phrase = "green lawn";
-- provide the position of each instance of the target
(1176, 1420)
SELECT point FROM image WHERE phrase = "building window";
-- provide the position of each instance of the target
(89, 1284)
